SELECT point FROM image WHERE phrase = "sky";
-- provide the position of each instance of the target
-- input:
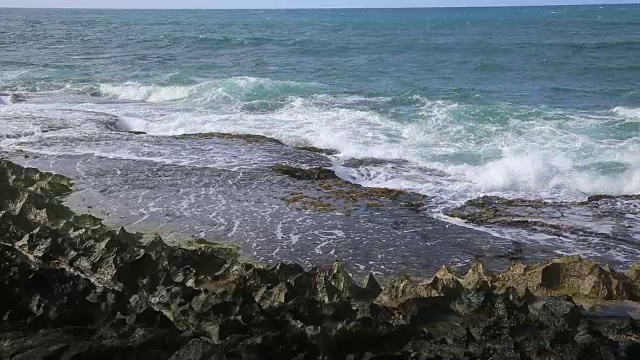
(263, 4)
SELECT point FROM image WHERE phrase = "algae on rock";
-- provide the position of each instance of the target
(331, 193)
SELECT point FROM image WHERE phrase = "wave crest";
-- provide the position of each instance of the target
(236, 89)
(627, 112)
(450, 149)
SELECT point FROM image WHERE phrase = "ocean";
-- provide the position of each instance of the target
(454, 103)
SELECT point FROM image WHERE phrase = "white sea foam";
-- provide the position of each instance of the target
(234, 89)
(150, 93)
(13, 74)
(627, 112)
(512, 155)
(543, 175)
(456, 151)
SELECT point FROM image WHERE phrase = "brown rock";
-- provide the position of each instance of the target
(477, 275)
(316, 173)
(444, 283)
(634, 274)
(572, 276)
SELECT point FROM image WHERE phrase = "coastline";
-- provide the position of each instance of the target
(271, 215)
(284, 203)
(77, 287)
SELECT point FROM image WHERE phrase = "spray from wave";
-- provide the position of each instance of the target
(627, 112)
(470, 149)
(455, 150)
(230, 90)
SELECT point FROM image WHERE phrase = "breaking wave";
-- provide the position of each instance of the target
(234, 89)
(627, 112)
(463, 150)
(457, 150)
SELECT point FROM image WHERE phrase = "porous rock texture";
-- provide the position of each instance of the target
(74, 289)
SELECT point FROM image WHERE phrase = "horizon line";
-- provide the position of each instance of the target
(319, 8)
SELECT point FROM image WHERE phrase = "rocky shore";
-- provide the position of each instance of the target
(601, 222)
(275, 202)
(72, 288)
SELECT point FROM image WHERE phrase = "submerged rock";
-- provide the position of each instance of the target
(74, 288)
(133, 132)
(11, 98)
(316, 173)
(317, 150)
(245, 137)
(604, 222)
(333, 194)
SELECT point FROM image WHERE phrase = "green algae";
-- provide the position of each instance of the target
(335, 194)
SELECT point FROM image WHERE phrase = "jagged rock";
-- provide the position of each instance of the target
(557, 312)
(569, 276)
(29, 179)
(444, 283)
(477, 276)
(574, 276)
(74, 288)
(197, 349)
(634, 273)
(474, 300)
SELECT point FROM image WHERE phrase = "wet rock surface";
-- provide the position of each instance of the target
(75, 288)
(244, 137)
(317, 150)
(316, 173)
(228, 190)
(218, 186)
(601, 224)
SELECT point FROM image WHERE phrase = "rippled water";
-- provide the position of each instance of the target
(539, 102)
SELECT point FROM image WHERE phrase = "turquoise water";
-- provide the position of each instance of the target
(537, 102)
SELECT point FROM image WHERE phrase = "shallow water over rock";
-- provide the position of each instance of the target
(254, 191)
(600, 227)
(252, 207)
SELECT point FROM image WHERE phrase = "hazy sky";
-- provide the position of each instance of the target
(280, 3)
